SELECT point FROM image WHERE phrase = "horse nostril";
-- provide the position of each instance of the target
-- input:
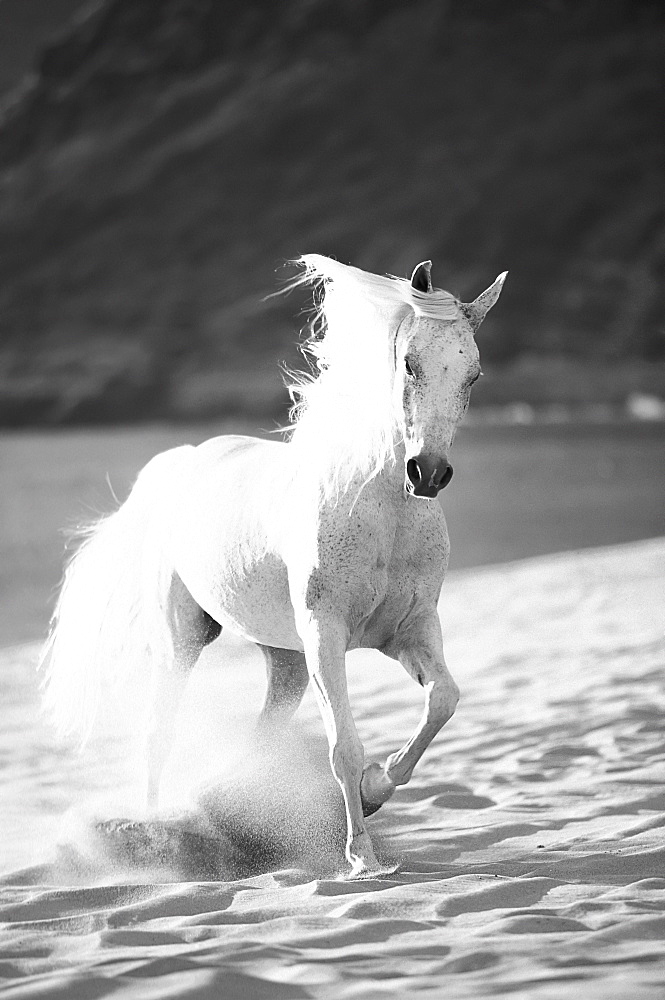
(413, 472)
(447, 476)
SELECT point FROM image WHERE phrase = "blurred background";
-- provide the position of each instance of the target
(160, 160)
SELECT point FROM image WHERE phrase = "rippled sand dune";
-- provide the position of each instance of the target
(529, 844)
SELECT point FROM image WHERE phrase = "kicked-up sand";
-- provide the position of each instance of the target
(529, 846)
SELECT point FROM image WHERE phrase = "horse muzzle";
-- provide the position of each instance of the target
(425, 477)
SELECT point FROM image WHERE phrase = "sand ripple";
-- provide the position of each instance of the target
(530, 846)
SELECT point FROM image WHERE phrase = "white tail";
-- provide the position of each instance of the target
(111, 614)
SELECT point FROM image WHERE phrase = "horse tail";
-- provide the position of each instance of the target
(112, 612)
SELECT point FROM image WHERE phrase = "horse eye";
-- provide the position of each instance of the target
(409, 370)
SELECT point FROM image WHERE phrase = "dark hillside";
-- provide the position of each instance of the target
(26, 26)
(170, 155)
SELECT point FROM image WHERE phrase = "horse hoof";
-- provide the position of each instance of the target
(365, 870)
(363, 874)
(375, 788)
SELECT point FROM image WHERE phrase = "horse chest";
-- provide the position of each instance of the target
(409, 579)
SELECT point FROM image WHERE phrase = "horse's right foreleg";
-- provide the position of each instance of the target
(325, 644)
(191, 630)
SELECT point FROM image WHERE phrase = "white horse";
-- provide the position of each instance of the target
(309, 548)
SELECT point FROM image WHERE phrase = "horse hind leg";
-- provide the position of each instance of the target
(192, 629)
(288, 678)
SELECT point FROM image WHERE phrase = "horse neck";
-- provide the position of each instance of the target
(346, 430)
(341, 472)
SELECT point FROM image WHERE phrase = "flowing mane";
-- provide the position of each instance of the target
(344, 410)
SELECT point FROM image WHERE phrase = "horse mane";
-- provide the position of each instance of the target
(343, 415)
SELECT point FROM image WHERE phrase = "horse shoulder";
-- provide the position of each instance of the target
(339, 557)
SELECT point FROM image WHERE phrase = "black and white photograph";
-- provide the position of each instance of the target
(332, 499)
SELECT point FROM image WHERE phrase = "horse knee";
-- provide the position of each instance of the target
(444, 697)
(346, 760)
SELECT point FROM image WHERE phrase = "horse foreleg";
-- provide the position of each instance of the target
(287, 682)
(191, 630)
(425, 662)
(325, 648)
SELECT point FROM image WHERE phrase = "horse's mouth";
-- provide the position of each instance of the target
(422, 492)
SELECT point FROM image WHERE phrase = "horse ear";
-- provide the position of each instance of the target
(477, 310)
(421, 279)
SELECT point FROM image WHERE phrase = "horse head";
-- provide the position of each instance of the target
(436, 364)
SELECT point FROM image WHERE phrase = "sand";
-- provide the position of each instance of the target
(529, 844)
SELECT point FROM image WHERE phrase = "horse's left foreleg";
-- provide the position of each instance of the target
(423, 659)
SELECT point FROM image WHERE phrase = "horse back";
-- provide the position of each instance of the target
(225, 537)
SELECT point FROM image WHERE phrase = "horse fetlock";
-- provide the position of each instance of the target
(376, 787)
(397, 771)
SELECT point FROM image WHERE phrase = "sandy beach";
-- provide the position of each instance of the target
(529, 846)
